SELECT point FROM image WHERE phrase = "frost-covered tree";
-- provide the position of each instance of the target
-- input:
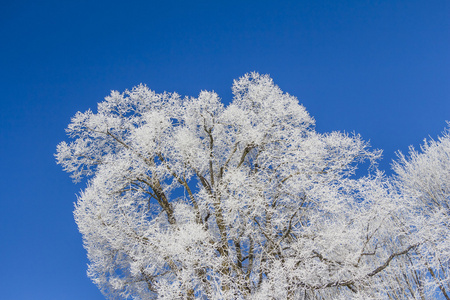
(189, 199)
(423, 179)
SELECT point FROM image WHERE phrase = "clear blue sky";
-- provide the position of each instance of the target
(379, 68)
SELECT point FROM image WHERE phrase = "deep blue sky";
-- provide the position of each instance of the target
(378, 68)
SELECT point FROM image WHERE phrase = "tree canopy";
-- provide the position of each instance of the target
(189, 199)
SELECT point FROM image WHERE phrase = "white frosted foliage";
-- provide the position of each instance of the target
(189, 199)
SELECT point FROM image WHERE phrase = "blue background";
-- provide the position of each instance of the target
(378, 68)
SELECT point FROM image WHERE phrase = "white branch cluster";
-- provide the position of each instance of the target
(189, 199)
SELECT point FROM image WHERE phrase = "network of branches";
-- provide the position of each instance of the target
(189, 199)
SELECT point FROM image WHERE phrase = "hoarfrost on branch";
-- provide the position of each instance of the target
(189, 199)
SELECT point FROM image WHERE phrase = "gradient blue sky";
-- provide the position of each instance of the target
(378, 68)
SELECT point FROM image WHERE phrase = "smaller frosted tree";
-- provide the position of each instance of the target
(187, 198)
(424, 182)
